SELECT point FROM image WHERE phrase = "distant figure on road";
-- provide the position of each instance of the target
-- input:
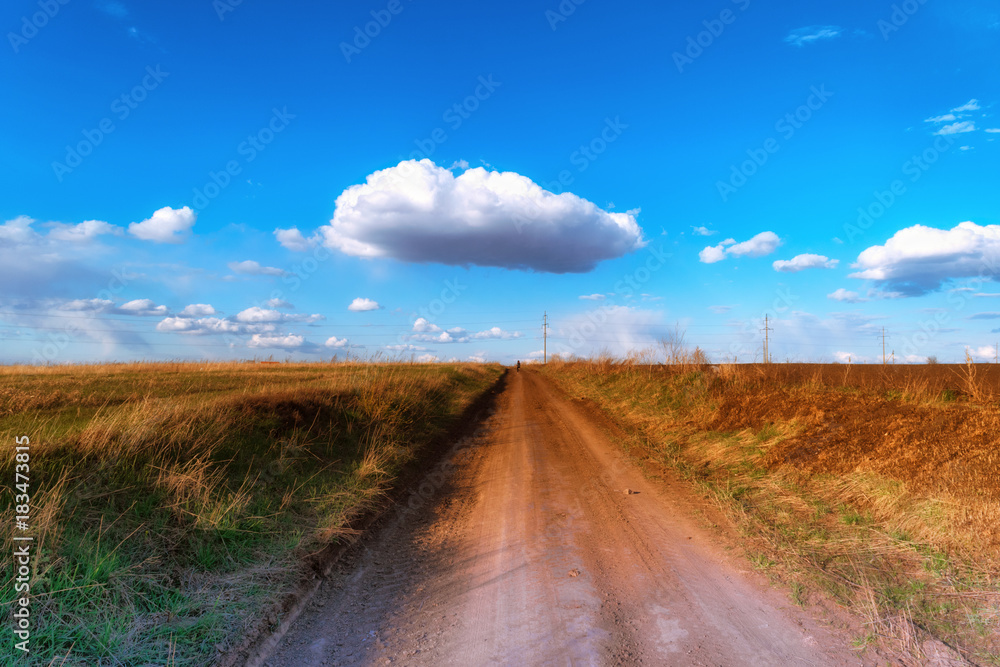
(518, 365)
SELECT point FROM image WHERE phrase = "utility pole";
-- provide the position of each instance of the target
(996, 355)
(883, 346)
(545, 338)
(767, 353)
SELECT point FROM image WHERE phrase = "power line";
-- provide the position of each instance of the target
(545, 337)
(767, 329)
(91, 316)
(94, 316)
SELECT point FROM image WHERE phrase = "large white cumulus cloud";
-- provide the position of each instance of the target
(420, 212)
(919, 259)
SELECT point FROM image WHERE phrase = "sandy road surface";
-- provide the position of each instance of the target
(531, 553)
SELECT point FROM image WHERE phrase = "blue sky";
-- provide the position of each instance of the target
(234, 180)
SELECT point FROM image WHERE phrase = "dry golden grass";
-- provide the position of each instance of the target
(876, 486)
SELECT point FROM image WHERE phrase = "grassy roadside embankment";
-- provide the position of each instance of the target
(171, 504)
(881, 493)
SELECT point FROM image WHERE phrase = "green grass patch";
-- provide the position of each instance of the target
(172, 505)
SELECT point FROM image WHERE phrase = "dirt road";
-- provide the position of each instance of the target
(531, 552)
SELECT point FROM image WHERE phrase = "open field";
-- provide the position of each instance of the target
(172, 503)
(876, 487)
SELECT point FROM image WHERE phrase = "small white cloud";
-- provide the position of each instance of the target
(762, 244)
(427, 358)
(846, 296)
(406, 348)
(803, 262)
(289, 341)
(983, 353)
(339, 343)
(293, 239)
(957, 128)
(712, 254)
(167, 225)
(257, 314)
(993, 130)
(197, 310)
(91, 305)
(278, 303)
(593, 297)
(813, 33)
(497, 333)
(459, 164)
(477, 358)
(18, 230)
(85, 231)
(428, 332)
(142, 307)
(971, 105)
(360, 305)
(421, 325)
(720, 310)
(252, 268)
(209, 325)
(946, 118)
(845, 357)
(704, 231)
